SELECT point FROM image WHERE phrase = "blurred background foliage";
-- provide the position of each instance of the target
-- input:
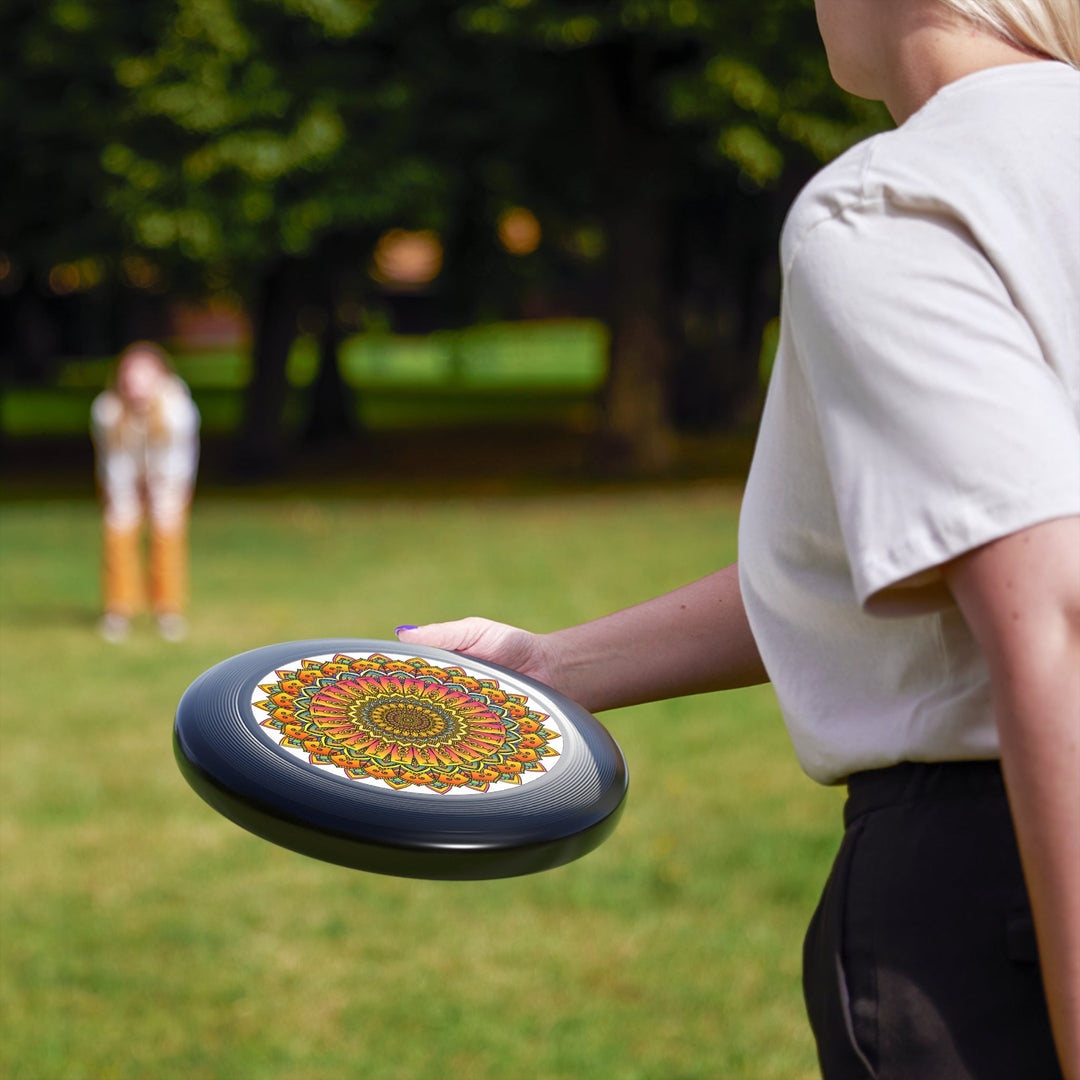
(347, 216)
(338, 167)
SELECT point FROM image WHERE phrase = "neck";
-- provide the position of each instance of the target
(934, 49)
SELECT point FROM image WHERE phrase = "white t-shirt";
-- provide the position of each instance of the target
(146, 463)
(925, 400)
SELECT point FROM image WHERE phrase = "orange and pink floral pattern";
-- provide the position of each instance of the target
(407, 723)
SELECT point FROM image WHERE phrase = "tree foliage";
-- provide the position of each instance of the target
(262, 146)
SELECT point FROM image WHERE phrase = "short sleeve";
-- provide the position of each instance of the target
(944, 426)
(105, 414)
(173, 458)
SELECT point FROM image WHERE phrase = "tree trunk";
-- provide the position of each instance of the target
(727, 283)
(637, 422)
(331, 416)
(34, 347)
(261, 447)
(635, 192)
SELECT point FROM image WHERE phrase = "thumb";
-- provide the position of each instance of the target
(482, 638)
(508, 646)
(454, 636)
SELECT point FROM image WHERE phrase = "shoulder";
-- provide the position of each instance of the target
(989, 152)
(832, 192)
(106, 410)
(176, 403)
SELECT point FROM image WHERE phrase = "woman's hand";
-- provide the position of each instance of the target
(496, 642)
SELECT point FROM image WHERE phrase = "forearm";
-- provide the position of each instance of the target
(1021, 598)
(689, 641)
(1039, 727)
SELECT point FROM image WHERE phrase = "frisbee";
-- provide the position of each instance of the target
(400, 759)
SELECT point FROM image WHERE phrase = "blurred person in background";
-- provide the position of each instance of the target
(909, 549)
(146, 437)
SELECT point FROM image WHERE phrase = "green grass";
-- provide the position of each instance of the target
(30, 411)
(144, 936)
(546, 371)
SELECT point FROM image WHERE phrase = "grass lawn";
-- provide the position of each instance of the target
(545, 371)
(143, 936)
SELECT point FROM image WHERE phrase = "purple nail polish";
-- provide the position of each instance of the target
(398, 629)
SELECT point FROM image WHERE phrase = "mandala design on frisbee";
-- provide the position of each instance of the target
(406, 724)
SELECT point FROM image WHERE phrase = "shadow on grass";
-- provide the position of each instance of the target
(50, 617)
(427, 463)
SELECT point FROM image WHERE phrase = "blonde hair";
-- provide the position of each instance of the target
(156, 419)
(1048, 27)
(144, 347)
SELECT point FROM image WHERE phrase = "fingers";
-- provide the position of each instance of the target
(482, 638)
(437, 635)
(457, 636)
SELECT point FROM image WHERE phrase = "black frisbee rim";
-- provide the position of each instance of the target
(546, 823)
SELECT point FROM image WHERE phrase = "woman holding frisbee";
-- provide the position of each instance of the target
(909, 573)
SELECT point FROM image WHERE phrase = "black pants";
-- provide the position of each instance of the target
(920, 961)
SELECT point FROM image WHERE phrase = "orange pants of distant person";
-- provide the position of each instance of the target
(126, 585)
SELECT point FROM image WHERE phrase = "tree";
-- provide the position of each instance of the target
(276, 140)
(688, 107)
(59, 107)
(262, 146)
